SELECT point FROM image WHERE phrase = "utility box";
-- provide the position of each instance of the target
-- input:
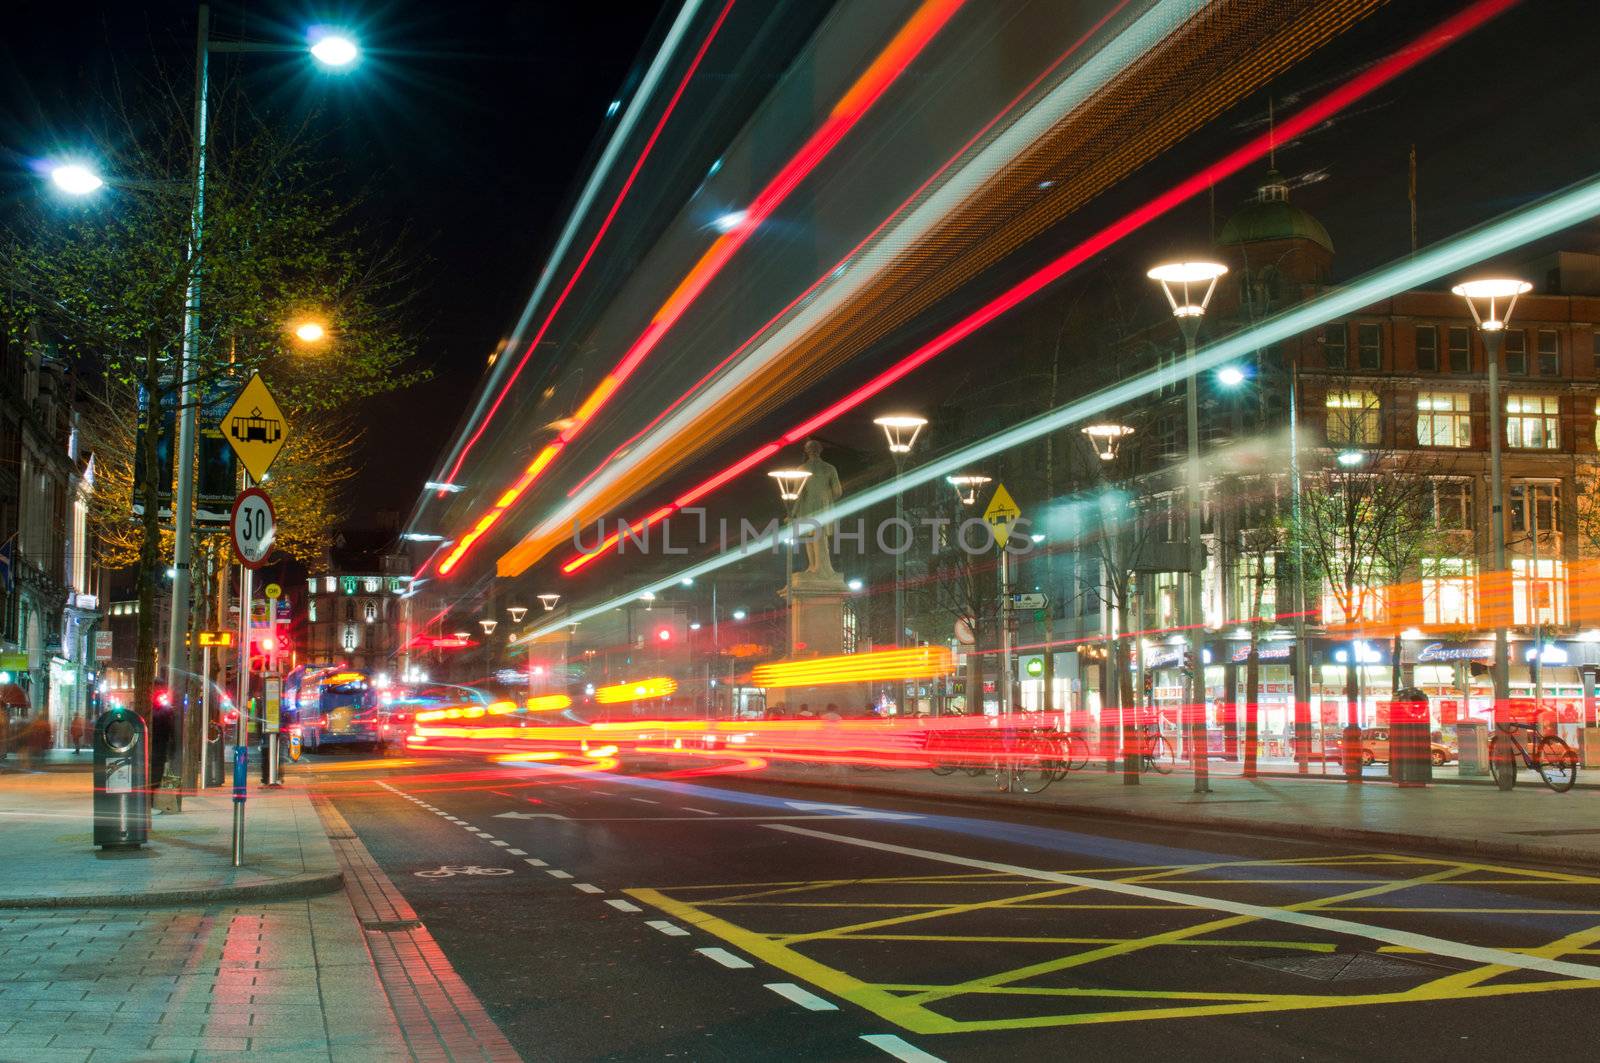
(121, 788)
(1472, 748)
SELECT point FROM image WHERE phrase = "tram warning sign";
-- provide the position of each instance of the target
(255, 428)
(1001, 514)
(254, 527)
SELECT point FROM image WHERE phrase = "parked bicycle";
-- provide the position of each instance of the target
(1156, 753)
(1548, 755)
(1035, 759)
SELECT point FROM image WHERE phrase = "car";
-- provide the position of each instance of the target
(1375, 748)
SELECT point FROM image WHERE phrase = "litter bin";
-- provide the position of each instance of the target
(1410, 743)
(121, 795)
(271, 759)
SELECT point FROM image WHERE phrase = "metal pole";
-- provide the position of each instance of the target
(1537, 662)
(1500, 670)
(1302, 652)
(205, 715)
(899, 575)
(1199, 736)
(241, 748)
(1005, 632)
(188, 358)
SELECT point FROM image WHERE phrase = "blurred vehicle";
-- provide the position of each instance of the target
(333, 707)
(1375, 748)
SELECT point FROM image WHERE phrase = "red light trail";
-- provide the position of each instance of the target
(1308, 118)
(885, 69)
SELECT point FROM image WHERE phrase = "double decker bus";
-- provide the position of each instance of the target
(333, 706)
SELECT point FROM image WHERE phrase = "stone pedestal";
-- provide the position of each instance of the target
(816, 629)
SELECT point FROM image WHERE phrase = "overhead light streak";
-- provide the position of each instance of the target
(1308, 118)
(867, 89)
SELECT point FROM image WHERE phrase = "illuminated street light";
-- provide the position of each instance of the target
(1106, 438)
(310, 332)
(549, 601)
(739, 614)
(1230, 376)
(75, 179)
(488, 625)
(334, 50)
(966, 487)
(789, 482)
(516, 613)
(1485, 298)
(1178, 281)
(855, 584)
(901, 430)
(1351, 458)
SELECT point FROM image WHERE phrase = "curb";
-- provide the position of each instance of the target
(1531, 852)
(291, 888)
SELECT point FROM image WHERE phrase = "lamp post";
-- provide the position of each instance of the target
(900, 431)
(1179, 281)
(966, 487)
(789, 482)
(1106, 438)
(1485, 299)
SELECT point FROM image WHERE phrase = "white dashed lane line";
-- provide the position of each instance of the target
(516, 852)
(500, 843)
(672, 930)
(532, 861)
(900, 1048)
(624, 906)
(702, 811)
(587, 888)
(644, 800)
(807, 1000)
(726, 958)
(556, 872)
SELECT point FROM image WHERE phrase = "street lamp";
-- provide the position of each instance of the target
(310, 332)
(1230, 376)
(488, 625)
(1491, 301)
(1179, 282)
(790, 482)
(549, 601)
(966, 487)
(516, 613)
(75, 179)
(900, 431)
(333, 50)
(1106, 438)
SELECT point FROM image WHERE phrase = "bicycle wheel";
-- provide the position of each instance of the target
(1031, 776)
(1077, 751)
(1161, 756)
(1557, 763)
(1503, 761)
(943, 769)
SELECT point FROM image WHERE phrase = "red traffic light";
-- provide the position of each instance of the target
(664, 634)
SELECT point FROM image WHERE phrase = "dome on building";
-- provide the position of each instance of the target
(1272, 217)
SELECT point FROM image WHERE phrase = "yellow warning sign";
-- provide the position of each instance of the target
(1001, 514)
(255, 428)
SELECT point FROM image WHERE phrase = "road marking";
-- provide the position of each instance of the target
(624, 906)
(500, 843)
(516, 852)
(726, 958)
(672, 930)
(587, 888)
(809, 1001)
(1424, 942)
(644, 800)
(556, 872)
(899, 1048)
(483, 834)
(528, 815)
(702, 811)
(536, 863)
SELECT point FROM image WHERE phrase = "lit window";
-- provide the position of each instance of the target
(1533, 422)
(1353, 417)
(311, 610)
(1369, 346)
(1516, 350)
(1427, 348)
(1538, 591)
(370, 609)
(1460, 350)
(1536, 507)
(1452, 504)
(1444, 419)
(1447, 591)
(1257, 575)
(1335, 346)
(349, 640)
(330, 584)
(311, 585)
(1549, 352)
(371, 584)
(1342, 603)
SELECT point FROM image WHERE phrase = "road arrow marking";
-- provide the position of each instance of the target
(848, 810)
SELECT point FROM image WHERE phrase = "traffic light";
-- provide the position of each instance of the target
(1188, 663)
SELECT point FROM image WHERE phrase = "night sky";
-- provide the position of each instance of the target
(466, 123)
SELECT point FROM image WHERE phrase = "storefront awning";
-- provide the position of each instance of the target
(13, 697)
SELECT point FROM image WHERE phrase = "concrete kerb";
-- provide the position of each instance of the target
(1478, 848)
(294, 887)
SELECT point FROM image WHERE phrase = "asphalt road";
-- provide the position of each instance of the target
(729, 919)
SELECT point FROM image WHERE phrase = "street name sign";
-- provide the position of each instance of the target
(1001, 514)
(1027, 601)
(254, 527)
(255, 427)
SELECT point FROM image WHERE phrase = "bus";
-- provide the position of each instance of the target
(333, 706)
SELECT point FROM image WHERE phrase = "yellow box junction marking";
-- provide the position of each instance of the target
(913, 1005)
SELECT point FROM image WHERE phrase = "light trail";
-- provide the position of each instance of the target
(862, 95)
(1552, 214)
(1301, 122)
(591, 190)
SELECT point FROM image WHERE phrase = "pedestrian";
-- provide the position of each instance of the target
(805, 712)
(161, 728)
(831, 713)
(79, 729)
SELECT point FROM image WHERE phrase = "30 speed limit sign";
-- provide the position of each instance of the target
(254, 526)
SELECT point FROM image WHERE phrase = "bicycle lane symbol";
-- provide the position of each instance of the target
(452, 870)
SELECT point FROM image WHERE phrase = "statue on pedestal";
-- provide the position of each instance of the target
(817, 495)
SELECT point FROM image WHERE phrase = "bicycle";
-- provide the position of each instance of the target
(1548, 755)
(1156, 753)
(1038, 758)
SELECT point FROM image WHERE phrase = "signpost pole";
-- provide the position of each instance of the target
(241, 748)
(205, 714)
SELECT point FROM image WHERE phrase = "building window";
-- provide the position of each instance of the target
(330, 584)
(311, 610)
(1444, 419)
(1353, 418)
(1460, 350)
(311, 585)
(372, 584)
(350, 610)
(1369, 346)
(347, 584)
(1258, 572)
(1549, 353)
(1336, 346)
(1516, 352)
(1352, 602)
(348, 640)
(1427, 348)
(1533, 422)
(1595, 350)
(1538, 590)
(1447, 591)
(1535, 506)
(370, 610)
(1451, 502)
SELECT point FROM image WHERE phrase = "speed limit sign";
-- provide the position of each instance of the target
(254, 526)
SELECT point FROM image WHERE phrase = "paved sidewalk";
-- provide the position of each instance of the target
(50, 860)
(1529, 823)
